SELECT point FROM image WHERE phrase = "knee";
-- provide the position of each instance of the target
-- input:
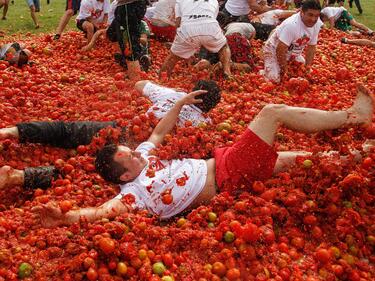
(69, 13)
(272, 109)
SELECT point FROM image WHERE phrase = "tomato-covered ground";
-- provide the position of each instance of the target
(315, 222)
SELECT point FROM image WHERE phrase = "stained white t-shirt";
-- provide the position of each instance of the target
(183, 179)
(333, 12)
(200, 12)
(295, 34)
(164, 11)
(243, 28)
(94, 9)
(111, 14)
(238, 7)
(164, 99)
(271, 17)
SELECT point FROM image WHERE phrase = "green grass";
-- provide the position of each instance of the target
(19, 20)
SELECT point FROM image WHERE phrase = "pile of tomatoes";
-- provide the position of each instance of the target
(314, 222)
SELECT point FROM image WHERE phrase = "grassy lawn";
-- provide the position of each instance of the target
(19, 20)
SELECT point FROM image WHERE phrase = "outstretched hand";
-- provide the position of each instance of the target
(191, 97)
(50, 215)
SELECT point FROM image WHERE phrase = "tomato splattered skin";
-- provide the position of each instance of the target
(313, 222)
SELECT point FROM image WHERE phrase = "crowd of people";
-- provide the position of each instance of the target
(214, 35)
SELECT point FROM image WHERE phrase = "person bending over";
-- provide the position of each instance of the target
(197, 27)
(340, 18)
(168, 187)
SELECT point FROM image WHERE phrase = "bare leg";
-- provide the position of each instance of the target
(241, 66)
(224, 55)
(64, 21)
(134, 70)
(359, 42)
(169, 64)
(94, 38)
(5, 10)
(286, 159)
(360, 26)
(33, 16)
(10, 177)
(310, 120)
(89, 28)
(6, 133)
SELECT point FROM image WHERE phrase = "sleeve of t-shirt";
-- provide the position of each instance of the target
(157, 93)
(145, 147)
(287, 34)
(106, 7)
(132, 189)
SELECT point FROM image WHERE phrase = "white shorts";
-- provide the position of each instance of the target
(271, 66)
(191, 37)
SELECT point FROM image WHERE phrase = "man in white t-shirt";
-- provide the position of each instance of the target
(340, 18)
(166, 188)
(289, 40)
(197, 27)
(92, 16)
(163, 99)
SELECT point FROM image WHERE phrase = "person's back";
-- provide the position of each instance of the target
(164, 11)
(197, 12)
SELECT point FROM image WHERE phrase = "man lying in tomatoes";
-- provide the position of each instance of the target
(168, 187)
(72, 134)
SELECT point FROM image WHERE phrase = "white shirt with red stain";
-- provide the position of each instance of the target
(93, 9)
(165, 187)
(164, 99)
(295, 34)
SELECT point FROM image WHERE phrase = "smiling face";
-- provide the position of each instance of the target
(131, 161)
(310, 17)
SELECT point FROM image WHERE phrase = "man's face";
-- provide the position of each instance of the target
(310, 17)
(131, 160)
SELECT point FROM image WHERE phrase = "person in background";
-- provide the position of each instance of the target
(289, 40)
(340, 18)
(197, 27)
(163, 20)
(238, 10)
(4, 4)
(34, 6)
(357, 4)
(92, 16)
(72, 7)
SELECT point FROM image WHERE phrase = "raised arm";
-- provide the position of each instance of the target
(50, 215)
(169, 121)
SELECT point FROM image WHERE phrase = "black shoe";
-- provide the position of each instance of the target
(56, 37)
(344, 40)
(145, 62)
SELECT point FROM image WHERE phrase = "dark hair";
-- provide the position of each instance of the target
(211, 98)
(311, 4)
(106, 166)
(23, 58)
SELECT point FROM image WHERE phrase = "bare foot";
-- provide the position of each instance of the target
(7, 133)
(5, 172)
(49, 215)
(361, 111)
(368, 145)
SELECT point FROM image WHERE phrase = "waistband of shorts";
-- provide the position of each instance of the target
(197, 17)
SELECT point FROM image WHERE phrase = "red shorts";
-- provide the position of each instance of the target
(248, 160)
(166, 33)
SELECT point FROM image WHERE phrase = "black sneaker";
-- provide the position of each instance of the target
(344, 40)
(56, 37)
(145, 62)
